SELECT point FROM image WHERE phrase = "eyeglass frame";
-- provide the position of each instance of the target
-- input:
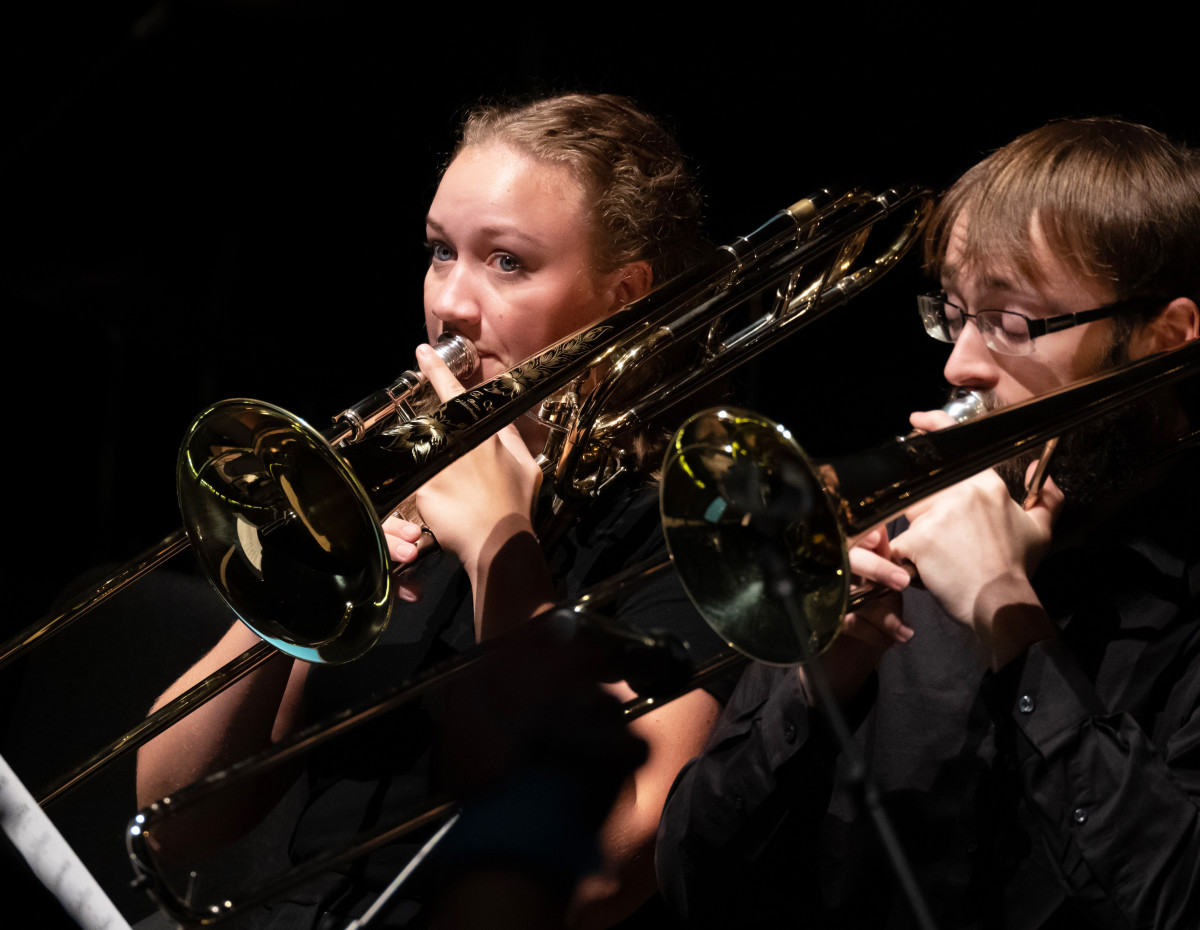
(1035, 327)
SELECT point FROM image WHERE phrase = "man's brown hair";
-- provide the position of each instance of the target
(1116, 201)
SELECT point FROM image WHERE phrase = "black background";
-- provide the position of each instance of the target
(215, 199)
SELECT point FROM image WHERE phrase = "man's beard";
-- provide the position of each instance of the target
(1107, 454)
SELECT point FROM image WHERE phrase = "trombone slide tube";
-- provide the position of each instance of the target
(145, 823)
(162, 718)
(136, 568)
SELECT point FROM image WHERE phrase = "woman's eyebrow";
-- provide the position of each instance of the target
(511, 231)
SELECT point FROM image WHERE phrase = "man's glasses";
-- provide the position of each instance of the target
(1006, 331)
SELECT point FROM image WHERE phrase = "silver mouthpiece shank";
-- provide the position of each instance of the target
(397, 399)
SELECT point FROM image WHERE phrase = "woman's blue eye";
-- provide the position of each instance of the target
(507, 262)
(440, 252)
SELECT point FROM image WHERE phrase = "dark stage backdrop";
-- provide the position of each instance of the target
(215, 199)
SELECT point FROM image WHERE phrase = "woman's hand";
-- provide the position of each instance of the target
(406, 539)
(485, 497)
(481, 509)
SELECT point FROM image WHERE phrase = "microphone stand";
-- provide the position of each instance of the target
(768, 525)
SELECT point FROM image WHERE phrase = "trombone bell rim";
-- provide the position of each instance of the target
(284, 530)
(742, 506)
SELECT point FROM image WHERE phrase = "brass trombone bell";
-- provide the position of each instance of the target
(402, 399)
(733, 483)
(285, 530)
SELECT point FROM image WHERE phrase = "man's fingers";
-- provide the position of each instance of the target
(874, 568)
(855, 626)
(880, 628)
(929, 421)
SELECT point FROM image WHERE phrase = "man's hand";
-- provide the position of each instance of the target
(872, 628)
(975, 549)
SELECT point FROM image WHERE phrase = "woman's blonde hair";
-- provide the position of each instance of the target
(645, 204)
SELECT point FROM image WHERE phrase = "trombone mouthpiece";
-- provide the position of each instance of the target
(397, 399)
(965, 405)
(457, 351)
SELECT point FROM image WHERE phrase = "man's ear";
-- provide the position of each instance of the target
(1179, 322)
(634, 280)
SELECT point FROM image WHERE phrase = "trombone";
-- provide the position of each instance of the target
(737, 487)
(726, 471)
(285, 520)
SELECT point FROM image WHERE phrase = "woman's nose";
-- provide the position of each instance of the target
(971, 363)
(451, 295)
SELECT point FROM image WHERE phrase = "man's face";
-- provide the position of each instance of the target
(1092, 459)
(1057, 358)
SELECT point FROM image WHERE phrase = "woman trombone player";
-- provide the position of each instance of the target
(548, 217)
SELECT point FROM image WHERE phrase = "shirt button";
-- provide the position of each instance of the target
(1026, 704)
(789, 733)
(739, 803)
(1080, 815)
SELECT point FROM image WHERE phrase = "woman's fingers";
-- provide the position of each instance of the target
(440, 376)
(402, 537)
(408, 590)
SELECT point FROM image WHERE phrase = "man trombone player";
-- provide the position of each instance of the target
(1030, 710)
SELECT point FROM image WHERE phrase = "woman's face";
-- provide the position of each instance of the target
(511, 257)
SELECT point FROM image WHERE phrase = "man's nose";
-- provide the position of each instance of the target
(971, 363)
